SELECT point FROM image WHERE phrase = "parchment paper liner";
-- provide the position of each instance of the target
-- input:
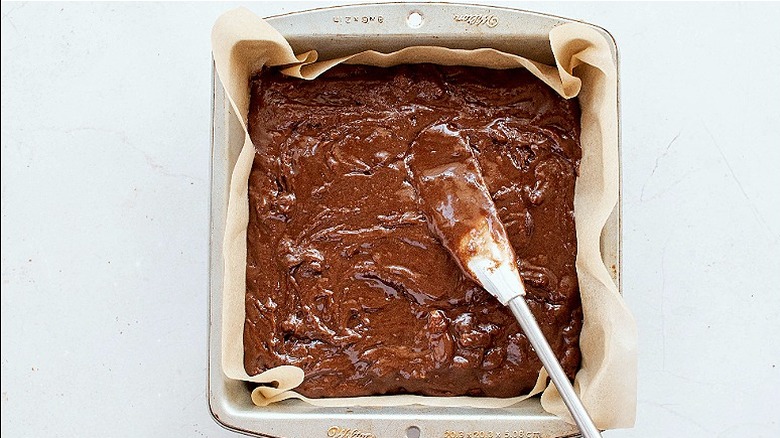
(242, 43)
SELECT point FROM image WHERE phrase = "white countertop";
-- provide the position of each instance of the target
(105, 191)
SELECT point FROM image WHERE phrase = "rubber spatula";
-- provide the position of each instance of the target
(453, 195)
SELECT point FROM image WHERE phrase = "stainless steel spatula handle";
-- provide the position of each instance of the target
(553, 367)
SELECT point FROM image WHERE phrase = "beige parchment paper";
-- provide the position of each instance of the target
(243, 43)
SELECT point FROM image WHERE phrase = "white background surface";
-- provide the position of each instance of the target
(105, 189)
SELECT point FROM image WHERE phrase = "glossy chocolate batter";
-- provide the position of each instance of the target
(345, 278)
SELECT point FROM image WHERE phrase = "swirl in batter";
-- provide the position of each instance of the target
(345, 278)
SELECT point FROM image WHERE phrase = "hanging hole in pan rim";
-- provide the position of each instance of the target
(412, 432)
(414, 19)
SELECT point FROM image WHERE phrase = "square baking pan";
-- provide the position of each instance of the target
(335, 32)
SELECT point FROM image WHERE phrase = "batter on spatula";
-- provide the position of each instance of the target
(453, 195)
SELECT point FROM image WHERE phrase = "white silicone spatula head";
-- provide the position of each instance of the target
(459, 208)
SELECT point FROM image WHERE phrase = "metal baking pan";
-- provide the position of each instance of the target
(333, 32)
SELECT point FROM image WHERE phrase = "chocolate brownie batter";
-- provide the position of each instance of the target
(345, 277)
